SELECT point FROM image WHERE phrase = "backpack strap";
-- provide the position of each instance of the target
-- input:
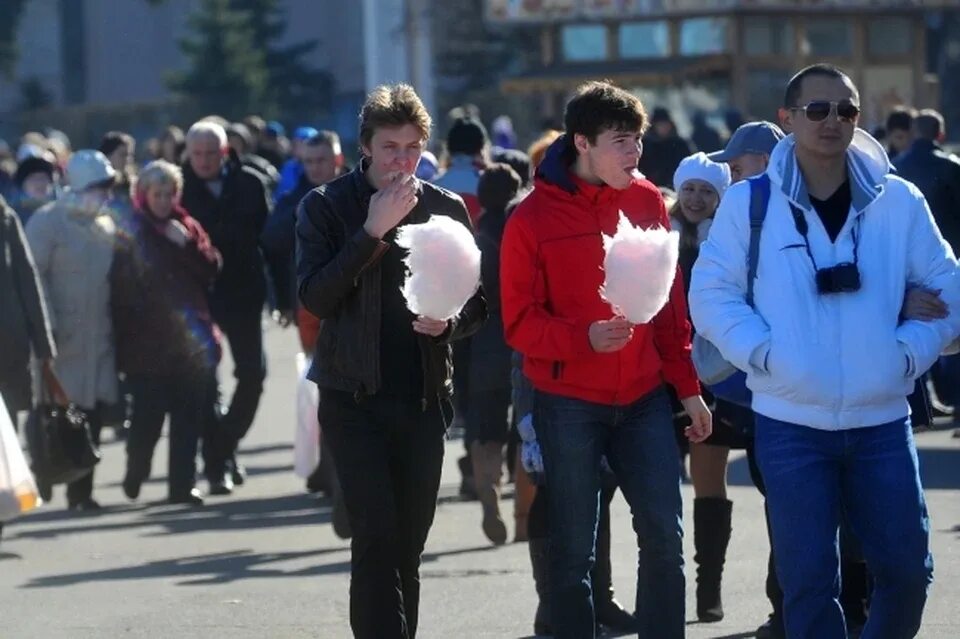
(759, 199)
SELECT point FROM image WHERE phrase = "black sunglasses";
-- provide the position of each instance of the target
(818, 110)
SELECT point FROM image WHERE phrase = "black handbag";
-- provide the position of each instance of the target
(60, 445)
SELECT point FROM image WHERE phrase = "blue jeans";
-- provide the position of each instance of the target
(872, 476)
(639, 443)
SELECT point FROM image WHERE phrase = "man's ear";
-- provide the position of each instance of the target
(580, 142)
(786, 119)
(339, 160)
(941, 137)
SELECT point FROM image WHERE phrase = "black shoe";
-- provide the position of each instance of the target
(131, 488)
(88, 504)
(192, 498)
(316, 482)
(222, 486)
(612, 615)
(44, 489)
(238, 472)
(772, 629)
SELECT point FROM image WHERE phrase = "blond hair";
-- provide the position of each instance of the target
(160, 173)
(393, 105)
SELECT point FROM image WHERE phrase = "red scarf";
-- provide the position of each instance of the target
(195, 231)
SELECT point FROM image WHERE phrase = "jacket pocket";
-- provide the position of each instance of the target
(557, 372)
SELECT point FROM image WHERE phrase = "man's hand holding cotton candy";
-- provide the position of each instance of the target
(610, 336)
(390, 205)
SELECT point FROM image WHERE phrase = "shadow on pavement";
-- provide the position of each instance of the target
(199, 570)
(221, 568)
(262, 450)
(229, 514)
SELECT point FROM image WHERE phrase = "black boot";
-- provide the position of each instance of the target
(606, 608)
(540, 561)
(711, 534)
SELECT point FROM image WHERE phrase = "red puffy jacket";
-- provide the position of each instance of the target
(551, 270)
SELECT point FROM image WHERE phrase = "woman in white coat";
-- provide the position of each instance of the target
(73, 241)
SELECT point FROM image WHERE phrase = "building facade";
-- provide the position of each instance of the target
(711, 55)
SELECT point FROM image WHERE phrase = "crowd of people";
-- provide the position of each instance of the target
(814, 259)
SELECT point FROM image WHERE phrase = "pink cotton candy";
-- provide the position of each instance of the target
(443, 267)
(640, 265)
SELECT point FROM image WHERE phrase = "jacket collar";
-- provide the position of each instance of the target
(555, 171)
(867, 166)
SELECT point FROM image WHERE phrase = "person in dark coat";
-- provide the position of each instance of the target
(165, 337)
(35, 185)
(663, 149)
(241, 142)
(937, 174)
(488, 407)
(231, 203)
(323, 162)
(384, 374)
(705, 137)
(24, 322)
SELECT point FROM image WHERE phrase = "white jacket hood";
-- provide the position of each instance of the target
(867, 162)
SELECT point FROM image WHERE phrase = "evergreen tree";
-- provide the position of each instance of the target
(292, 84)
(11, 12)
(227, 71)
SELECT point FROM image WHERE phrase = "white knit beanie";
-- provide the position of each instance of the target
(699, 167)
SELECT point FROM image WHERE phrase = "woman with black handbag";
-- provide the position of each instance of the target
(72, 241)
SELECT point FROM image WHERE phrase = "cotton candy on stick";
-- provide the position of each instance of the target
(640, 265)
(443, 267)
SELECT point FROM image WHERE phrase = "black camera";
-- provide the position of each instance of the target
(842, 278)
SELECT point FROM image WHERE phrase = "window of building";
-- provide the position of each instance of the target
(644, 40)
(584, 42)
(765, 89)
(703, 36)
(887, 36)
(829, 37)
(768, 36)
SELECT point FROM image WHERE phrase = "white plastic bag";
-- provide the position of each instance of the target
(18, 491)
(306, 440)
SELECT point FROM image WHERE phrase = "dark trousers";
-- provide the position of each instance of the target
(82, 489)
(153, 398)
(244, 332)
(639, 444)
(488, 416)
(389, 454)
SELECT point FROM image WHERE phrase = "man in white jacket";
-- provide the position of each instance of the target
(828, 358)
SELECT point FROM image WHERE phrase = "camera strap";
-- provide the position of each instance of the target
(803, 229)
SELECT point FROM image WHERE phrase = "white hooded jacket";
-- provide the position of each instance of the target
(835, 361)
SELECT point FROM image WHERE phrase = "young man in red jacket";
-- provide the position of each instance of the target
(599, 379)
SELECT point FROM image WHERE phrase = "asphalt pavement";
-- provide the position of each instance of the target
(265, 563)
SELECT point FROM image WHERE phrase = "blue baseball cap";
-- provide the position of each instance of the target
(304, 133)
(275, 129)
(757, 138)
